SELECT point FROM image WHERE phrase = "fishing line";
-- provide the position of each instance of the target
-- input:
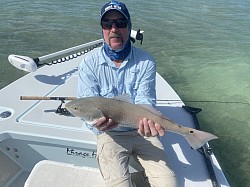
(203, 101)
(166, 100)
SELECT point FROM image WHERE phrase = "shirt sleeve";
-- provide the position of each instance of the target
(146, 93)
(87, 87)
(87, 82)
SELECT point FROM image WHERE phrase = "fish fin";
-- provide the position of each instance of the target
(198, 138)
(151, 109)
(93, 115)
(124, 97)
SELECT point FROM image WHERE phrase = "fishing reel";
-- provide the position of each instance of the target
(62, 110)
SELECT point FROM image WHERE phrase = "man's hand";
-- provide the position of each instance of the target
(149, 128)
(105, 124)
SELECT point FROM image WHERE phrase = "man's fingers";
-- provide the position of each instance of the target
(146, 127)
(104, 124)
(149, 128)
(159, 129)
(100, 122)
(147, 131)
(153, 130)
(141, 128)
(111, 125)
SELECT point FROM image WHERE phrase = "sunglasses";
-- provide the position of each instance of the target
(119, 23)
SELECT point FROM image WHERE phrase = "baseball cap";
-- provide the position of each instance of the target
(115, 5)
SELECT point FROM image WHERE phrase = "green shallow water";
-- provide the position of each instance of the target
(202, 49)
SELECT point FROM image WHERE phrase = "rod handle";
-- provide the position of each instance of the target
(46, 98)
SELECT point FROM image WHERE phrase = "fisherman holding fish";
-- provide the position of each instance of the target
(116, 96)
(114, 69)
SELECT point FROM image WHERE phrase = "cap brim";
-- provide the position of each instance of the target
(103, 15)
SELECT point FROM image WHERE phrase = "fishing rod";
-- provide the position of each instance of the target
(205, 101)
(60, 109)
(46, 98)
(29, 64)
(168, 100)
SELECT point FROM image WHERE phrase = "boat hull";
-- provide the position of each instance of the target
(31, 131)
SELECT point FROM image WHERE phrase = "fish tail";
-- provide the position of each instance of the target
(198, 138)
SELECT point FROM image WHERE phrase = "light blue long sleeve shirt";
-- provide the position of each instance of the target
(99, 76)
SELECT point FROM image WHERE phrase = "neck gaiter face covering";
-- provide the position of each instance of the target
(118, 54)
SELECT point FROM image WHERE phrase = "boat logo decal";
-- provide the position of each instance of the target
(83, 154)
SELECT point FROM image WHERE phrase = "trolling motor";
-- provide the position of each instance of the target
(136, 35)
(28, 64)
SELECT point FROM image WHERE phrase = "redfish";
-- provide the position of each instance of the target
(125, 113)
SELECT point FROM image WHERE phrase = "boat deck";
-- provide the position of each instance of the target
(34, 132)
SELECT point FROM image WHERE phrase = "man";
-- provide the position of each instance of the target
(114, 69)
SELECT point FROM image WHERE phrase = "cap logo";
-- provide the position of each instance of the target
(113, 6)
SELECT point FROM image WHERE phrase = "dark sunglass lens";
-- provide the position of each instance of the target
(106, 24)
(120, 23)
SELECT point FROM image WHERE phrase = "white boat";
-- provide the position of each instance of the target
(39, 146)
